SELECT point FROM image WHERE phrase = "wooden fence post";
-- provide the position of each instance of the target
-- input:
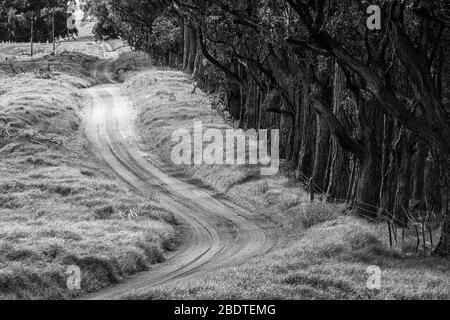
(311, 189)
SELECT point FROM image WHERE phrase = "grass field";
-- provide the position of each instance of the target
(84, 43)
(329, 249)
(59, 206)
(329, 261)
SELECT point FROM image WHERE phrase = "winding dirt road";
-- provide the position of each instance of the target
(216, 232)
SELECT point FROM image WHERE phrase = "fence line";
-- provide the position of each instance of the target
(392, 221)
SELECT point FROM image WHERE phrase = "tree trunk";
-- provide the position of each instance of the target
(322, 152)
(403, 191)
(339, 170)
(298, 133)
(193, 52)
(198, 65)
(417, 200)
(443, 159)
(368, 191)
(234, 101)
(307, 148)
(433, 195)
(186, 40)
(370, 122)
(388, 170)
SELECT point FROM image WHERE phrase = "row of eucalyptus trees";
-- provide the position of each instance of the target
(363, 111)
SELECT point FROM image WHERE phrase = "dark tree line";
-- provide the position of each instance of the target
(16, 17)
(365, 113)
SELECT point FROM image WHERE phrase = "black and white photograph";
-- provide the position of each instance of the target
(224, 158)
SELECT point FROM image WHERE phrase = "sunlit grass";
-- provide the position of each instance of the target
(59, 205)
(330, 261)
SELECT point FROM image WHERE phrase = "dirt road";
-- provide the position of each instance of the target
(216, 232)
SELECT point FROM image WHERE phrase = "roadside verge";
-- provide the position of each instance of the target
(60, 208)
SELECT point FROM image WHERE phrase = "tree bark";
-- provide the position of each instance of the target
(403, 191)
(186, 44)
(417, 200)
(322, 152)
(198, 65)
(340, 171)
(193, 40)
(307, 148)
(388, 170)
(443, 247)
(367, 195)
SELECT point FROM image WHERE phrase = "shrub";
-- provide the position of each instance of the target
(105, 212)
(9, 202)
(361, 239)
(263, 187)
(37, 161)
(63, 191)
(21, 254)
(53, 251)
(87, 173)
(315, 214)
(154, 212)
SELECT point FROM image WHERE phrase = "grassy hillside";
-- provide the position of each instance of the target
(59, 206)
(329, 261)
(329, 250)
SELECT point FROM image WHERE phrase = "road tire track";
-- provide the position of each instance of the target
(215, 232)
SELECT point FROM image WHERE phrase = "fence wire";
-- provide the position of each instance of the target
(382, 214)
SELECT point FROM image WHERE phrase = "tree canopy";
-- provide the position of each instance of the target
(16, 17)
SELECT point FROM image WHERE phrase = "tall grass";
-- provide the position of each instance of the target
(59, 206)
(330, 261)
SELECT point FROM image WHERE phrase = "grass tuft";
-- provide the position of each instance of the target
(105, 212)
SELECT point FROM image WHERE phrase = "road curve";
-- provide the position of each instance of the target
(216, 232)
